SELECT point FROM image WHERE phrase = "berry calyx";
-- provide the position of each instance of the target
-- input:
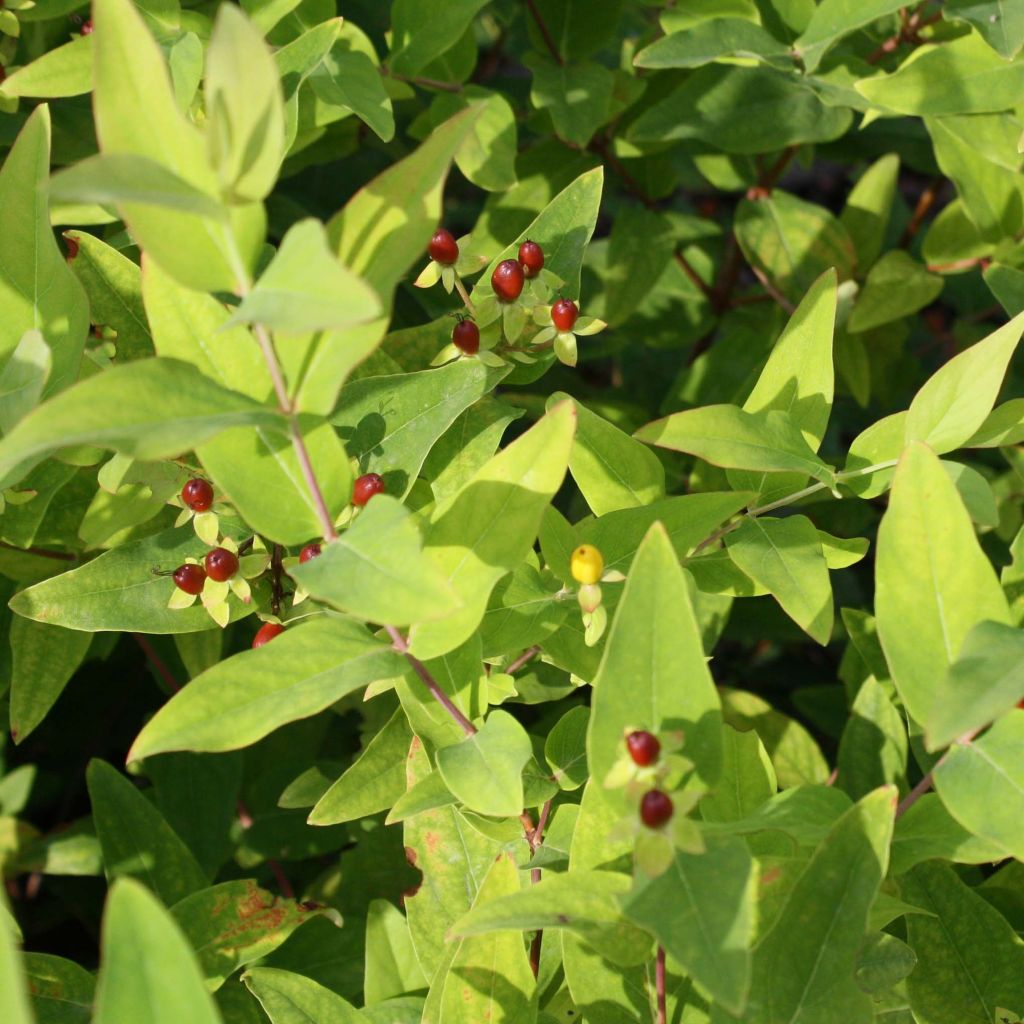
(443, 248)
(466, 337)
(643, 747)
(531, 255)
(221, 564)
(507, 280)
(190, 578)
(86, 28)
(564, 313)
(655, 808)
(197, 494)
(368, 485)
(586, 564)
(308, 552)
(266, 633)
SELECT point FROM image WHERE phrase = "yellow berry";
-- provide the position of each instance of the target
(587, 564)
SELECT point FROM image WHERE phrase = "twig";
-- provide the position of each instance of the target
(929, 778)
(545, 32)
(603, 150)
(909, 30)
(706, 290)
(535, 840)
(60, 556)
(158, 663)
(276, 571)
(420, 80)
(774, 292)
(659, 983)
(527, 655)
(924, 205)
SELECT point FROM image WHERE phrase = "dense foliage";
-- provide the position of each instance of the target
(512, 511)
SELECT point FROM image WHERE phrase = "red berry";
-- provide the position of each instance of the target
(643, 747)
(366, 487)
(655, 808)
(531, 255)
(564, 313)
(86, 28)
(308, 552)
(266, 633)
(221, 564)
(466, 337)
(71, 243)
(3, 72)
(190, 578)
(197, 494)
(1020, 704)
(507, 280)
(443, 248)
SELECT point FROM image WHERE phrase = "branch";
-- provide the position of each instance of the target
(528, 655)
(545, 32)
(659, 982)
(706, 290)
(423, 83)
(924, 205)
(535, 840)
(926, 783)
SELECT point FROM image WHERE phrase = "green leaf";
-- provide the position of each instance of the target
(883, 962)
(485, 529)
(44, 660)
(14, 1004)
(137, 114)
(490, 977)
(897, 285)
(578, 28)
(374, 781)
(23, 379)
(148, 974)
(488, 155)
(612, 470)
(985, 680)
(37, 290)
(653, 643)
(306, 669)
(63, 71)
(565, 749)
(114, 286)
(793, 242)
(576, 96)
(390, 424)
(118, 590)
(62, 992)
(349, 79)
(963, 76)
(969, 961)
(1007, 285)
(785, 557)
(869, 207)
(135, 839)
(563, 229)
(803, 968)
(420, 34)
(834, 19)
(305, 288)
(150, 409)
(778, 110)
(982, 785)
(953, 403)
(245, 128)
(639, 249)
(233, 924)
(701, 910)
(933, 582)
(727, 436)
(709, 40)
(748, 778)
(873, 747)
(485, 770)
(391, 964)
(583, 902)
(289, 998)
(1000, 22)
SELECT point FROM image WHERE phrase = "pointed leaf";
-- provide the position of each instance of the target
(289, 998)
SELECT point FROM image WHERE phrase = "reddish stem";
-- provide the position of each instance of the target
(659, 982)
(545, 32)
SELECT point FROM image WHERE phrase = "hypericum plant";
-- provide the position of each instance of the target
(448, 541)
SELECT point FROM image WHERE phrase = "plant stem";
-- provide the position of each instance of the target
(158, 663)
(705, 289)
(464, 295)
(535, 840)
(527, 655)
(545, 32)
(425, 83)
(926, 783)
(400, 645)
(659, 982)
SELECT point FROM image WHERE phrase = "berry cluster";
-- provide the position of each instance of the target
(655, 805)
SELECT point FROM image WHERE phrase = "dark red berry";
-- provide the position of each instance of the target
(366, 487)
(443, 248)
(655, 808)
(86, 28)
(190, 578)
(221, 564)
(507, 280)
(266, 633)
(308, 552)
(564, 313)
(466, 337)
(3, 72)
(531, 255)
(71, 243)
(197, 494)
(643, 747)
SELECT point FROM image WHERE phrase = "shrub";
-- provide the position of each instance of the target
(435, 446)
